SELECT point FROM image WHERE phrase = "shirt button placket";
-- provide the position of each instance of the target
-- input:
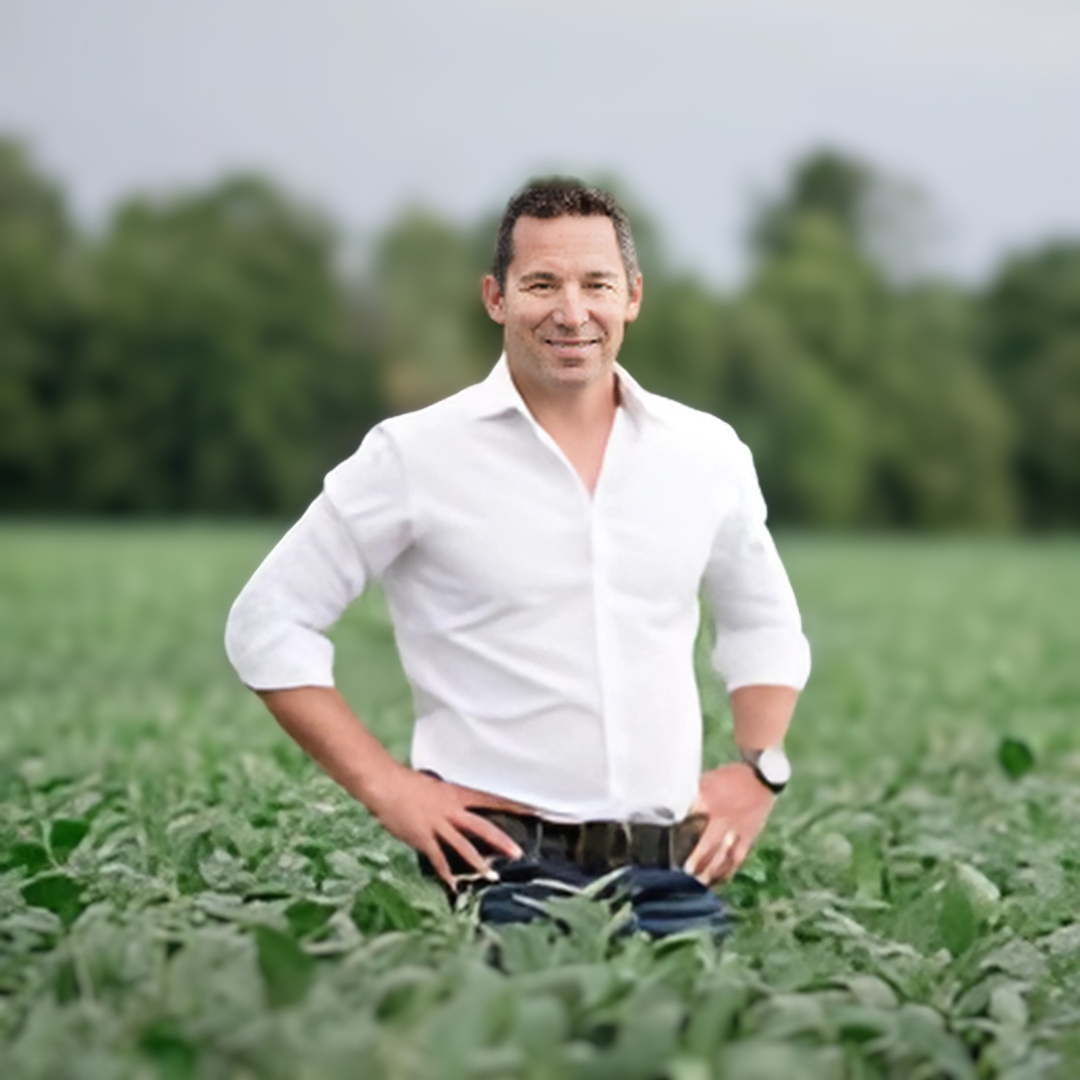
(605, 645)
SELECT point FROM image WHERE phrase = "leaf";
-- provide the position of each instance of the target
(1008, 1008)
(1064, 941)
(713, 1017)
(981, 891)
(33, 858)
(540, 1025)
(65, 835)
(647, 1039)
(400, 989)
(761, 1059)
(172, 1054)
(1017, 958)
(833, 855)
(287, 970)
(317, 854)
(189, 879)
(66, 983)
(58, 894)
(867, 864)
(871, 991)
(380, 907)
(307, 917)
(956, 919)
(1015, 757)
(922, 1032)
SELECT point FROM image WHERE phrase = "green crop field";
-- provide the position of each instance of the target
(183, 895)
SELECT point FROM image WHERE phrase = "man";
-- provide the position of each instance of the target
(542, 539)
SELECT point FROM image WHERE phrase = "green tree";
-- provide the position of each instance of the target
(676, 346)
(898, 384)
(437, 337)
(38, 328)
(886, 218)
(942, 433)
(826, 184)
(1032, 344)
(221, 374)
(804, 424)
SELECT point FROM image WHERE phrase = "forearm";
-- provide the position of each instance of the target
(321, 722)
(762, 715)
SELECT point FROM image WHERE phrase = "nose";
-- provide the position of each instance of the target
(571, 311)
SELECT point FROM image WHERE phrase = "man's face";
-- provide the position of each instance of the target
(566, 301)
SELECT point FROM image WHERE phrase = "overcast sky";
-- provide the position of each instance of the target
(697, 105)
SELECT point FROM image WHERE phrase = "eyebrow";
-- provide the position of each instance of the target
(546, 275)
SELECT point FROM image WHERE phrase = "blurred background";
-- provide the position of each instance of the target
(235, 234)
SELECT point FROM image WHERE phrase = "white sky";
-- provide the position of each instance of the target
(695, 104)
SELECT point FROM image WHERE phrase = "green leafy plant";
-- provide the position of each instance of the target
(183, 895)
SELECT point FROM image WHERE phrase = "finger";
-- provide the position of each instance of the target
(717, 866)
(486, 830)
(705, 848)
(439, 864)
(464, 847)
(738, 856)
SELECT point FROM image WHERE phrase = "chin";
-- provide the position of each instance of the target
(575, 376)
(584, 370)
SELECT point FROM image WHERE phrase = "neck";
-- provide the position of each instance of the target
(578, 418)
(573, 408)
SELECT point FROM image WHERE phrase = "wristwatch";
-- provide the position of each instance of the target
(771, 766)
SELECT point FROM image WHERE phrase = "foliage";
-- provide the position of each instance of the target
(182, 894)
(438, 337)
(36, 325)
(1033, 348)
(218, 350)
(198, 356)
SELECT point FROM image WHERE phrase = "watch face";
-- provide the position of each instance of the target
(774, 766)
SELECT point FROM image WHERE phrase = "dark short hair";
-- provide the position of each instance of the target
(559, 196)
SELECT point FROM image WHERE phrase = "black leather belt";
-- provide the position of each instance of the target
(598, 846)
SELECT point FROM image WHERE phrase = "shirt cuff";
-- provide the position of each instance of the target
(765, 656)
(271, 653)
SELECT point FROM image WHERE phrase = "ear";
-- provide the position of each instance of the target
(633, 304)
(492, 296)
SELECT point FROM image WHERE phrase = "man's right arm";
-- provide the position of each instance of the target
(276, 641)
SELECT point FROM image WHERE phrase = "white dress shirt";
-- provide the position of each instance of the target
(547, 634)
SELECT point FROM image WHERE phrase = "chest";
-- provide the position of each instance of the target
(508, 520)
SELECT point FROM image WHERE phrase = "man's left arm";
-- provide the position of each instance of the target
(763, 658)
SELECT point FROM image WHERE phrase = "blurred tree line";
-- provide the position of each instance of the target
(214, 352)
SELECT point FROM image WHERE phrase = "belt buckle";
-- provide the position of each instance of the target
(603, 845)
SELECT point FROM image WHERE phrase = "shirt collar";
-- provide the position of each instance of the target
(497, 395)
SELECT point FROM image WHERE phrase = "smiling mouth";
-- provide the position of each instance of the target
(583, 343)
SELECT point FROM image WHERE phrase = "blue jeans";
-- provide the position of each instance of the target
(662, 901)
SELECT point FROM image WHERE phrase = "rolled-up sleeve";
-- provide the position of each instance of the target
(275, 636)
(759, 638)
